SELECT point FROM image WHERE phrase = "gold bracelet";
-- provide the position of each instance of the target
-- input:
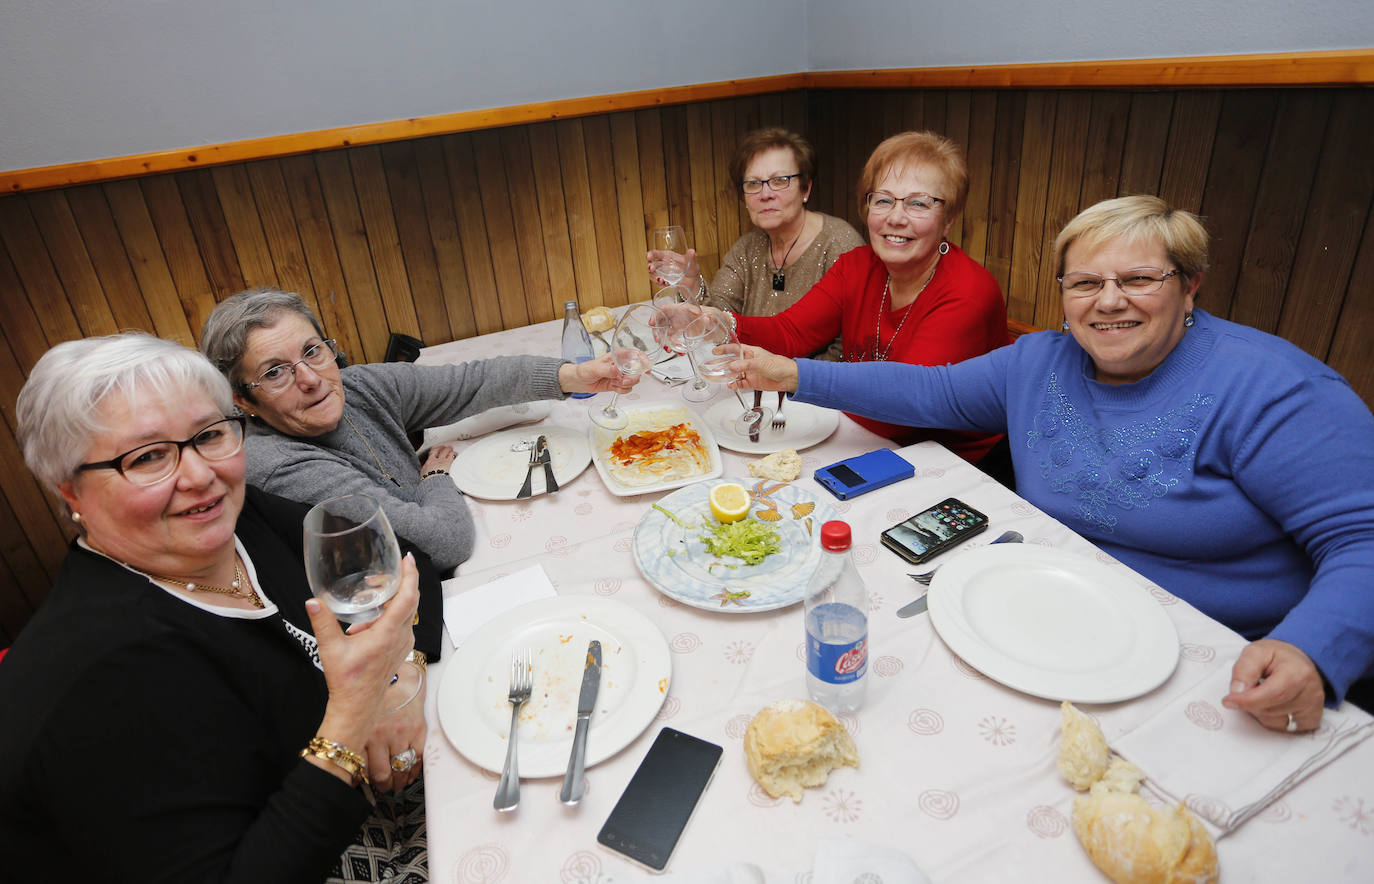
(337, 753)
(432, 473)
(417, 659)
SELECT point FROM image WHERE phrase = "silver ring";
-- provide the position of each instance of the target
(1292, 726)
(404, 761)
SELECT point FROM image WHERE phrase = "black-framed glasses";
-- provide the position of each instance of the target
(917, 205)
(280, 376)
(1140, 281)
(151, 463)
(777, 182)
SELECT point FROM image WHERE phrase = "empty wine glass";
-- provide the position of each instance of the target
(670, 259)
(681, 332)
(715, 367)
(636, 336)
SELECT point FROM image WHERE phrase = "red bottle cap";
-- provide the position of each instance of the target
(835, 536)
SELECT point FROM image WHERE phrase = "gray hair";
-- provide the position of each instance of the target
(225, 336)
(59, 408)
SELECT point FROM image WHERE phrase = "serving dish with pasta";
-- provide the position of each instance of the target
(663, 447)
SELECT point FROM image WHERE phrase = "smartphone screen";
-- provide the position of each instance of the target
(932, 531)
(651, 814)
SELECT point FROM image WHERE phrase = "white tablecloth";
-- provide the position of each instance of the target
(957, 771)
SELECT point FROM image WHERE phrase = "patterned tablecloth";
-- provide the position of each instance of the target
(957, 770)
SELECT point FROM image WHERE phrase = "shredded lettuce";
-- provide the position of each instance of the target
(748, 539)
(680, 523)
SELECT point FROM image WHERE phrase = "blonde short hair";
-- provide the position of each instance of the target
(1137, 218)
(918, 149)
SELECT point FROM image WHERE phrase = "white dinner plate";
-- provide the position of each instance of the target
(490, 470)
(599, 439)
(636, 669)
(675, 561)
(1052, 624)
(807, 425)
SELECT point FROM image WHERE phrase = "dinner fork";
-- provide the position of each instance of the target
(779, 419)
(521, 686)
(927, 576)
(527, 489)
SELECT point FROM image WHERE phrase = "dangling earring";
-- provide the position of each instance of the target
(1188, 319)
(1065, 326)
(944, 247)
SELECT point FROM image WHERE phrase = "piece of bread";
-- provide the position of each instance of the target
(795, 744)
(1134, 843)
(599, 319)
(1083, 750)
(780, 466)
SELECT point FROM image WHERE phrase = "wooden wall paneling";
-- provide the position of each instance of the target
(108, 258)
(1228, 198)
(1284, 190)
(1106, 143)
(653, 174)
(601, 176)
(450, 261)
(634, 238)
(500, 226)
(794, 114)
(553, 215)
(748, 117)
(936, 112)
(895, 108)
(148, 263)
(1350, 350)
(1147, 135)
(1032, 190)
(21, 325)
(1073, 113)
(283, 240)
(723, 140)
(1192, 129)
(414, 233)
(42, 288)
(67, 249)
(472, 230)
(912, 108)
(384, 243)
(1341, 197)
(336, 300)
(1006, 175)
(529, 232)
(212, 233)
(23, 501)
(178, 244)
(701, 167)
(577, 196)
(982, 140)
(677, 171)
(13, 612)
(958, 106)
(244, 223)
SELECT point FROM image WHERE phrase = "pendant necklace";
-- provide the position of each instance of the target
(371, 452)
(234, 590)
(780, 275)
(882, 306)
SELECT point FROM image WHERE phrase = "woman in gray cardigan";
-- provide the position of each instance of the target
(319, 431)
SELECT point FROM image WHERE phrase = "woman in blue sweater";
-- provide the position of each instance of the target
(1223, 463)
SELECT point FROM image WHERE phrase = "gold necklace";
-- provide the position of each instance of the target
(371, 452)
(882, 303)
(234, 590)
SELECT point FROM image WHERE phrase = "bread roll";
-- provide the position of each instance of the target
(780, 466)
(795, 744)
(599, 319)
(1083, 750)
(1134, 843)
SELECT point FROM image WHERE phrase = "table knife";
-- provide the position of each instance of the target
(754, 429)
(571, 793)
(911, 609)
(550, 484)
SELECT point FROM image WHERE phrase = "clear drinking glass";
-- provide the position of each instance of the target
(715, 332)
(681, 312)
(634, 343)
(351, 557)
(669, 267)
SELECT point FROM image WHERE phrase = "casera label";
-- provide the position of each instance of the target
(837, 663)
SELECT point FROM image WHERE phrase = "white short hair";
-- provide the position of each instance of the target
(59, 408)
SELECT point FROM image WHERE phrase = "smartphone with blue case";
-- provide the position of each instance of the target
(853, 476)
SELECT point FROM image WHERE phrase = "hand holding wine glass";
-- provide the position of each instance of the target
(681, 333)
(635, 339)
(667, 254)
(717, 335)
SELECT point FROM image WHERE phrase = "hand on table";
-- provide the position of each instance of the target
(1273, 679)
(440, 457)
(597, 375)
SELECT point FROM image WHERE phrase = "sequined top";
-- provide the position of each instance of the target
(744, 283)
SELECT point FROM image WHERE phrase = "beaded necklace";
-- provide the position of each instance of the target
(882, 305)
(234, 590)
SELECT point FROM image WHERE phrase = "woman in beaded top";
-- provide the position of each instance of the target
(180, 708)
(1222, 463)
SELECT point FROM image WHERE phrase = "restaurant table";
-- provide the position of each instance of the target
(957, 771)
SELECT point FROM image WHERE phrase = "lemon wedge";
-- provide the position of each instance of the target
(729, 502)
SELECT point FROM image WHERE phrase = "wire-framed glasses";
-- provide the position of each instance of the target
(1140, 281)
(777, 182)
(279, 377)
(151, 463)
(917, 205)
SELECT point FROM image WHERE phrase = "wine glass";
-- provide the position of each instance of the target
(681, 333)
(669, 267)
(715, 367)
(636, 335)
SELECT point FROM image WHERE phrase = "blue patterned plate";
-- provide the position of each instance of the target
(676, 562)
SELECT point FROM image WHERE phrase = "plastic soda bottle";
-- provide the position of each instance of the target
(836, 609)
(577, 344)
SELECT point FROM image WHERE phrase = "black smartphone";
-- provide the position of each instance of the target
(930, 532)
(863, 473)
(649, 818)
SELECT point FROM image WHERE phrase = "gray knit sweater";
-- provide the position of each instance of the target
(385, 401)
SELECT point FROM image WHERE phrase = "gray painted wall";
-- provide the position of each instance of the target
(85, 79)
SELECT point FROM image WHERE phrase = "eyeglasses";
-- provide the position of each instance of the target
(1140, 281)
(777, 182)
(917, 205)
(279, 377)
(151, 463)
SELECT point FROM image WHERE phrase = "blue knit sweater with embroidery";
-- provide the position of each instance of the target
(1239, 475)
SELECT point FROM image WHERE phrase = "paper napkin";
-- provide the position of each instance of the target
(488, 421)
(466, 611)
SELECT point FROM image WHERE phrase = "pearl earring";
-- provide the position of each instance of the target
(76, 517)
(1188, 320)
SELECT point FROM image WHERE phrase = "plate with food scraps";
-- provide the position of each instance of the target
(494, 466)
(636, 669)
(807, 425)
(759, 563)
(663, 447)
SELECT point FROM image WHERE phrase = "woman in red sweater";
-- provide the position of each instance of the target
(910, 295)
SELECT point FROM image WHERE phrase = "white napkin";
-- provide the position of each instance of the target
(466, 612)
(1223, 763)
(677, 367)
(487, 422)
(845, 861)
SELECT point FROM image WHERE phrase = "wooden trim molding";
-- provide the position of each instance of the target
(1296, 69)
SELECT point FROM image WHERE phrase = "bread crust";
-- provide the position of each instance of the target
(792, 745)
